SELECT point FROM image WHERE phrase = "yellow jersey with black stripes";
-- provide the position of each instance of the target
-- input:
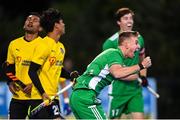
(19, 53)
(50, 56)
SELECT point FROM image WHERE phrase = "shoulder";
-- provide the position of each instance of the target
(16, 40)
(140, 36)
(111, 42)
(140, 40)
(114, 36)
(61, 45)
(39, 39)
(111, 50)
(42, 45)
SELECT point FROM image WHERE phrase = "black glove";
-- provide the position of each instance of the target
(74, 75)
(144, 81)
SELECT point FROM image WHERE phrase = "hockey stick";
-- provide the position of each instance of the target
(150, 89)
(46, 102)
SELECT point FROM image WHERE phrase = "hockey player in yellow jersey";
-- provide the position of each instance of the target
(47, 63)
(17, 65)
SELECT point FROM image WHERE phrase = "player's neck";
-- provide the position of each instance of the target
(122, 30)
(54, 36)
(29, 37)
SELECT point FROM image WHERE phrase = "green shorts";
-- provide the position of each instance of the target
(85, 105)
(125, 104)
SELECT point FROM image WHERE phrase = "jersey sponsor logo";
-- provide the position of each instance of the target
(26, 62)
(59, 63)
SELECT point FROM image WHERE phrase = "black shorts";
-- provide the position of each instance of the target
(18, 109)
(49, 112)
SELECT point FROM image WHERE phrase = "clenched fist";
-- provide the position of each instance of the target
(146, 63)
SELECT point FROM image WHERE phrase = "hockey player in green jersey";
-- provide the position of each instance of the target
(107, 67)
(125, 102)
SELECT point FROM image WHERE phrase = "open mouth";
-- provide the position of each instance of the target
(129, 25)
(29, 25)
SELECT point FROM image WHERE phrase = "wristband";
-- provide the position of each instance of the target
(141, 66)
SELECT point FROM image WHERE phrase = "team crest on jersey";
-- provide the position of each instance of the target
(52, 60)
(18, 58)
(61, 50)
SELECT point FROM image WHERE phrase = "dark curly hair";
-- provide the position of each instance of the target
(49, 18)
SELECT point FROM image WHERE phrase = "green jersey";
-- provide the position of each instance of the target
(112, 42)
(97, 75)
(127, 95)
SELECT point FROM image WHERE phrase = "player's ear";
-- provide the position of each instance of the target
(118, 22)
(56, 25)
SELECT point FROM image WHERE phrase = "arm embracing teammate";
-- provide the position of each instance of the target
(107, 67)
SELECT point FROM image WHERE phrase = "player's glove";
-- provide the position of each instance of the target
(74, 75)
(66, 107)
(144, 81)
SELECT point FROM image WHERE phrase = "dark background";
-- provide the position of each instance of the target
(90, 22)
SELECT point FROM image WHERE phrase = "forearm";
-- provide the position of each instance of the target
(34, 77)
(120, 72)
(143, 72)
(8, 71)
(130, 77)
(69, 75)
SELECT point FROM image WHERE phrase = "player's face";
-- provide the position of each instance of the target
(61, 27)
(132, 46)
(126, 22)
(32, 24)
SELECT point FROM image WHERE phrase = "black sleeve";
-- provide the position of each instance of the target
(65, 74)
(69, 75)
(8, 68)
(34, 76)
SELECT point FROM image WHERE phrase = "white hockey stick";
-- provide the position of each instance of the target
(150, 89)
(43, 104)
